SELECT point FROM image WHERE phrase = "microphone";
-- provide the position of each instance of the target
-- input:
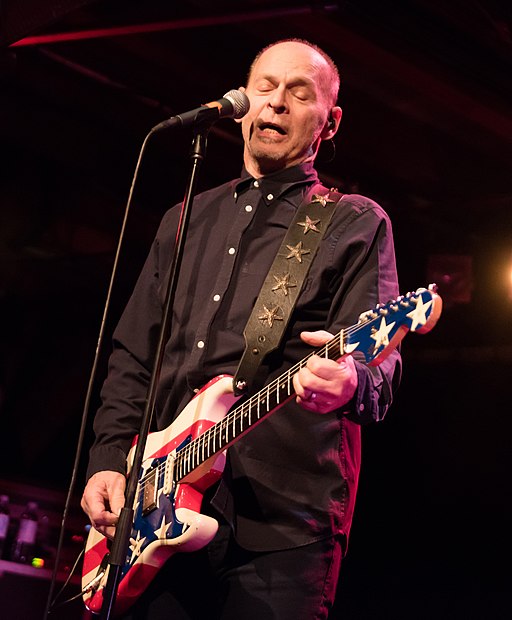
(234, 104)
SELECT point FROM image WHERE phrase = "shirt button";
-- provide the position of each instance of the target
(216, 297)
(256, 183)
(231, 251)
(196, 390)
(248, 208)
(200, 344)
(235, 195)
(270, 196)
(361, 407)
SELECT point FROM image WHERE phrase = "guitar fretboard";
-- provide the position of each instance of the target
(373, 335)
(238, 421)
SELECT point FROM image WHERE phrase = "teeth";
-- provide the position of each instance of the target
(274, 128)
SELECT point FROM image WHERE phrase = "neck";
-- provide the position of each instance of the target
(258, 169)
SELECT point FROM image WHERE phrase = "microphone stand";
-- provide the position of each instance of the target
(119, 548)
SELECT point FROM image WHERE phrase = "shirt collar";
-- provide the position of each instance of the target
(275, 185)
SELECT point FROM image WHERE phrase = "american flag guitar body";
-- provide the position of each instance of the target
(183, 460)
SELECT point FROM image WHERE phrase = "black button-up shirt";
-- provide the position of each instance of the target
(293, 478)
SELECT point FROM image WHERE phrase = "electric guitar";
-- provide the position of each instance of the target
(183, 460)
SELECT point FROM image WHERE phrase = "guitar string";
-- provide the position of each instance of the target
(191, 449)
(272, 389)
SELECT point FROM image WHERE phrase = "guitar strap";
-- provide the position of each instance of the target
(283, 284)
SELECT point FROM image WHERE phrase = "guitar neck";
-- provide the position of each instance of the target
(246, 415)
(375, 335)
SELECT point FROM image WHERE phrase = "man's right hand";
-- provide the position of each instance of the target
(103, 499)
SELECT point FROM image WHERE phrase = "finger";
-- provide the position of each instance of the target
(99, 515)
(316, 338)
(302, 384)
(116, 495)
(103, 498)
(109, 532)
(319, 370)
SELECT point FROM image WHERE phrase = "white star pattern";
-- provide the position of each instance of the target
(418, 316)
(161, 532)
(136, 546)
(381, 335)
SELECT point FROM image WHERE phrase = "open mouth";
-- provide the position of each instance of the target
(271, 127)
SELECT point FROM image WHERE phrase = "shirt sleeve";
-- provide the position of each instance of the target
(124, 392)
(363, 254)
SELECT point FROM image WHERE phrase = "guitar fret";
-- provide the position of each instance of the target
(188, 460)
(208, 445)
(184, 471)
(211, 444)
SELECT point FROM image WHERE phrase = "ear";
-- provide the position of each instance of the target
(332, 124)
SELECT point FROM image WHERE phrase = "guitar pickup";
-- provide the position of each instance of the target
(149, 495)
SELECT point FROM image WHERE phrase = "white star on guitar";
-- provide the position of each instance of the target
(161, 532)
(136, 546)
(418, 316)
(381, 335)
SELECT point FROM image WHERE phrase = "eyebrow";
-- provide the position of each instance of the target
(298, 81)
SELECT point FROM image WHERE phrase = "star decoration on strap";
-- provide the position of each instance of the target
(309, 224)
(297, 252)
(418, 316)
(323, 200)
(136, 546)
(283, 283)
(381, 335)
(270, 315)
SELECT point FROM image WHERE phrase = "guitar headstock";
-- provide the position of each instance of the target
(380, 330)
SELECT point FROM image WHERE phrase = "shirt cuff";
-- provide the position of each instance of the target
(106, 458)
(363, 408)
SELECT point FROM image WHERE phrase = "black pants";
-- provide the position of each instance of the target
(225, 582)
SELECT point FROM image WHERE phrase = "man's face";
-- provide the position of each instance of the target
(289, 108)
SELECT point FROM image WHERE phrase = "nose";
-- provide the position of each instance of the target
(277, 100)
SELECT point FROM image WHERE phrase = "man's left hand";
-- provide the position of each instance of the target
(323, 384)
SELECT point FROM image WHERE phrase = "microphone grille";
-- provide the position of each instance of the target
(240, 102)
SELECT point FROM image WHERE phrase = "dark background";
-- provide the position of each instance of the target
(427, 132)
